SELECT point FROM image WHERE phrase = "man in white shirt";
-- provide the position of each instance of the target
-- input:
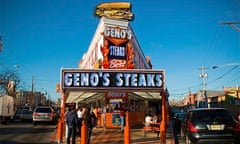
(148, 120)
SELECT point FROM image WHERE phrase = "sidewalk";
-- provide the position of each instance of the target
(115, 136)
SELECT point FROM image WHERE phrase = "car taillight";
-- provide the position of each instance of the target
(35, 114)
(50, 114)
(237, 127)
(191, 127)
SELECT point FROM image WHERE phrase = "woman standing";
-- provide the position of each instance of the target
(89, 122)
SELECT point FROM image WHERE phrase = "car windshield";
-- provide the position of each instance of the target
(212, 116)
(18, 111)
(43, 110)
(26, 111)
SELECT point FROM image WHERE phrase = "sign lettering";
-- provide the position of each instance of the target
(117, 33)
(120, 79)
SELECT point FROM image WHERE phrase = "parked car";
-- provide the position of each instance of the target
(26, 115)
(44, 114)
(210, 125)
(17, 114)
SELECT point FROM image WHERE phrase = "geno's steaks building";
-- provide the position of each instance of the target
(114, 72)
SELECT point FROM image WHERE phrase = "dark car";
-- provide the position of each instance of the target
(17, 115)
(26, 115)
(210, 125)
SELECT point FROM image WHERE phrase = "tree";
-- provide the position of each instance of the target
(8, 82)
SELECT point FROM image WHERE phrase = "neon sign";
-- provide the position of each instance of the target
(115, 79)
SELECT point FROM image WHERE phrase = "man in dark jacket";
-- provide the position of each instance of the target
(71, 120)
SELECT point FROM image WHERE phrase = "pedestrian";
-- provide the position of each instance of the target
(122, 117)
(80, 118)
(89, 122)
(65, 120)
(156, 123)
(71, 121)
(148, 119)
(104, 111)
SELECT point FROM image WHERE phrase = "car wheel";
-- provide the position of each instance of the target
(34, 123)
(188, 141)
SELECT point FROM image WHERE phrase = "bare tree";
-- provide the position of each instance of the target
(8, 82)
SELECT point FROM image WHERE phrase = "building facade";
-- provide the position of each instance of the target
(114, 46)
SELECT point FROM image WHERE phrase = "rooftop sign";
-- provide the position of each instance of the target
(116, 10)
(102, 80)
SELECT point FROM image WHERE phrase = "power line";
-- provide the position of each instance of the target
(221, 76)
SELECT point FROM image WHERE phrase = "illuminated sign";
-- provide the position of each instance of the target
(117, 52)
(117, 49)
(117, 33)
(112, 79)
(115, 10)
(116, 95)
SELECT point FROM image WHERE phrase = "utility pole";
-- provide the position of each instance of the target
(1, 44)
(32, 89)
(238, 99)
(203, 75)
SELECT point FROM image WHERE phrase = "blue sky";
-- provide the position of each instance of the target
(180, 36)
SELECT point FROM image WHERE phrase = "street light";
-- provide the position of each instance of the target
(230, 64)
(237, 88)
(232, 24)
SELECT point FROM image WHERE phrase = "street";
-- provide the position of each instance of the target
(25, 132)
(180, 140)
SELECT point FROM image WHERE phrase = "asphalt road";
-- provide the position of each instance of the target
(26, 133)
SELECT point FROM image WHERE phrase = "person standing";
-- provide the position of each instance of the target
(148, 119)
(80, 118)
(71, 121)
(65, 120)
(122, 117)
(104, 111)
(88, 119)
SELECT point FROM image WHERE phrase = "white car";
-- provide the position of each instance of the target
(44, 114)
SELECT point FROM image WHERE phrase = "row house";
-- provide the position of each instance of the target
(228, 98)
(29, 98)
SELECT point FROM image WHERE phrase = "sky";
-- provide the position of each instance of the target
(42, 36)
